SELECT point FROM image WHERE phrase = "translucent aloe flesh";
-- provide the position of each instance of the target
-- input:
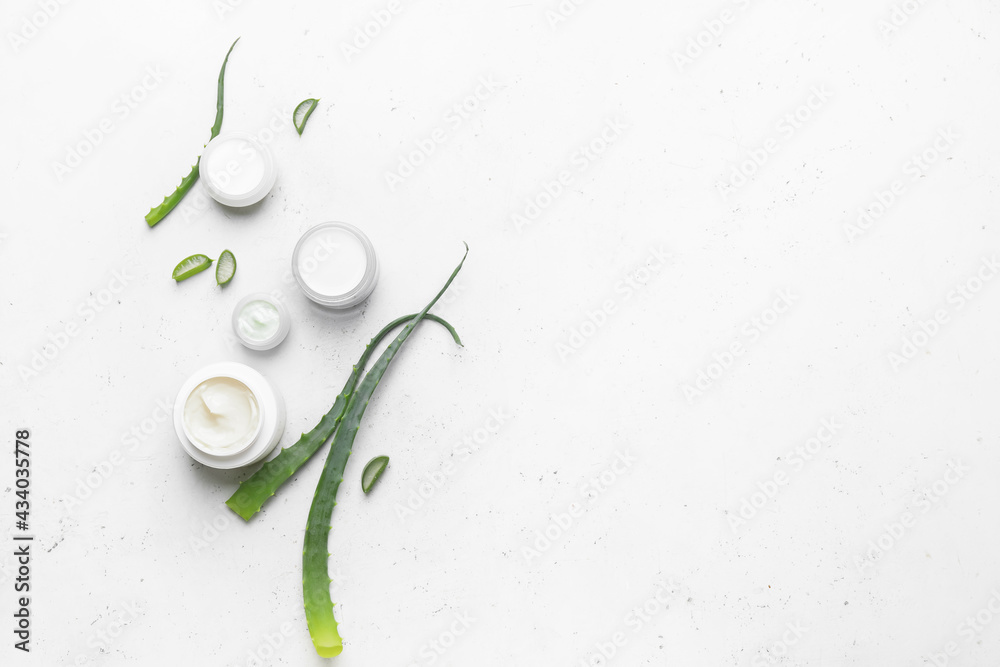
(255, 491)
(160, 211)
(315, 576)
(302, 113)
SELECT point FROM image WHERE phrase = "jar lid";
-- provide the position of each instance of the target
(237, 169)
(261, 321)
(335, 265)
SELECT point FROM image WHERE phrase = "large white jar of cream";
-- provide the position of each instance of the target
(335, 265)
(228, 415)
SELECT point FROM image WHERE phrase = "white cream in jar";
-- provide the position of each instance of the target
(221, 416)
(261, 321)
(335, 265)
(228, 415)
(237, 169)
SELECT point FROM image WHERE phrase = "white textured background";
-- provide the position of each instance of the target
(125, 538)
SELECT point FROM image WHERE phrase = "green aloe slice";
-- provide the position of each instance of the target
(190, 266)
(302, 113)
(225, 268)
(373, 470)
(160, 211)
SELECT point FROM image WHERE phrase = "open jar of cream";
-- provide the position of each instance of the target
(335, 265)
(228, 415)
(261, 321)
(237, 169)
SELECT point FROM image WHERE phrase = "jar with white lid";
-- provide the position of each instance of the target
(335, 265)
(227, 415)
(237, 170)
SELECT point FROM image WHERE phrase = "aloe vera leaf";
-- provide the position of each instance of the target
(372, 472)
(160, 211)
(302, 113)
(253, 492)
(315, 576)
(190, 266)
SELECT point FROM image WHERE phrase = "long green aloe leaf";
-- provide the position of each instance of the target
(258, 489)
(315, 576)
(159, 212)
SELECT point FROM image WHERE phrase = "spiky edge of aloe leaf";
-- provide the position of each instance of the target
(315, 576)
(299, 127)
(262, 485)
(159, 212)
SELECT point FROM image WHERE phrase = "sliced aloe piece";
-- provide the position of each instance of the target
(190, 266)
(225, 268)
(373, 470)
(302, 113)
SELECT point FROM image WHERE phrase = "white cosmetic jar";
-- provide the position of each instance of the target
(261, 321)
(237, 169)
(259, 411)
(335, 265)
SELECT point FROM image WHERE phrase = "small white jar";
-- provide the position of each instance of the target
(261, 321)
(335, 265)
(237, 169)
(227, 415)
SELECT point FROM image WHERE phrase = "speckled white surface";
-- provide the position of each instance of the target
(583, 322)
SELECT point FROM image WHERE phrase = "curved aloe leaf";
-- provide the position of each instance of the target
(302, 113)
(372, 472)
(315, 577)
(160, 211)
(255, 491)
